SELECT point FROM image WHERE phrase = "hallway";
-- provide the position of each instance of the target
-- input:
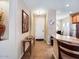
(40, 51)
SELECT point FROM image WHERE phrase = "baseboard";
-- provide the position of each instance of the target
(39, 39)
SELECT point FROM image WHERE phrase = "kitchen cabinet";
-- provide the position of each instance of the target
(75, 18)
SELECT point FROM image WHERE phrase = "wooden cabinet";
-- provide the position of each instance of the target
(75, 18)
(78, 18)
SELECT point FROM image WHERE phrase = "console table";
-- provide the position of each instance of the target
(24, 45)
(31, 40)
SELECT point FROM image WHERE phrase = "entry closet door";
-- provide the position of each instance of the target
(39, 27)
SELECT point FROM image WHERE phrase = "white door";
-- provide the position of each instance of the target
(39, 27)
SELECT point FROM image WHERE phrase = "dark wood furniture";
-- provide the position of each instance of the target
(68, 49)
(24, 46)
(68, 46)
(31, 40)
(75, 18)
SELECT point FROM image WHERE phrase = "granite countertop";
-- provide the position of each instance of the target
(67, 39)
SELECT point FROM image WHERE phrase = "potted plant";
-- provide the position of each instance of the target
(2, 26)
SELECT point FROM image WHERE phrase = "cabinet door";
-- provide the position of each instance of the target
(74, 19)
(77, 18)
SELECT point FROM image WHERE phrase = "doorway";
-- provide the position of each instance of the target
(40, 27)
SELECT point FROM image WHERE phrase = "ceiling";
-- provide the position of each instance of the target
(59, 5)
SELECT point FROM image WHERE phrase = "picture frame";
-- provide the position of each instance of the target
(25, 22)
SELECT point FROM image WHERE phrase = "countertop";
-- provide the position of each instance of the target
(67, 39)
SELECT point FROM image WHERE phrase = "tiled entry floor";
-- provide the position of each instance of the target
(40, 51)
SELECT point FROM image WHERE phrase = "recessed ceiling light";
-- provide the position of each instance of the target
(70, 12)
(40, 12)
(67, 5)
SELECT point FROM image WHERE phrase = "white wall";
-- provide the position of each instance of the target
(52, 31)
(64, 24)
(12, 48)
(4, 48)
(16, 21)
(19, 35)
(51, 23)
(58, 25)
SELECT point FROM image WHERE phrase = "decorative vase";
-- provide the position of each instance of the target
(2, 30)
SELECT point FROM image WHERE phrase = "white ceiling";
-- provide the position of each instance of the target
(54, 4)
(59, 5)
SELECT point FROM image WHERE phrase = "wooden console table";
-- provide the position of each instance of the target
(24, 43)
(31, 40)
(30, 37)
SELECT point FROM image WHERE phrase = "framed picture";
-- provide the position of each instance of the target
(25, 22)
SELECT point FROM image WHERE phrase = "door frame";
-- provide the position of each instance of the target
(45, 26)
